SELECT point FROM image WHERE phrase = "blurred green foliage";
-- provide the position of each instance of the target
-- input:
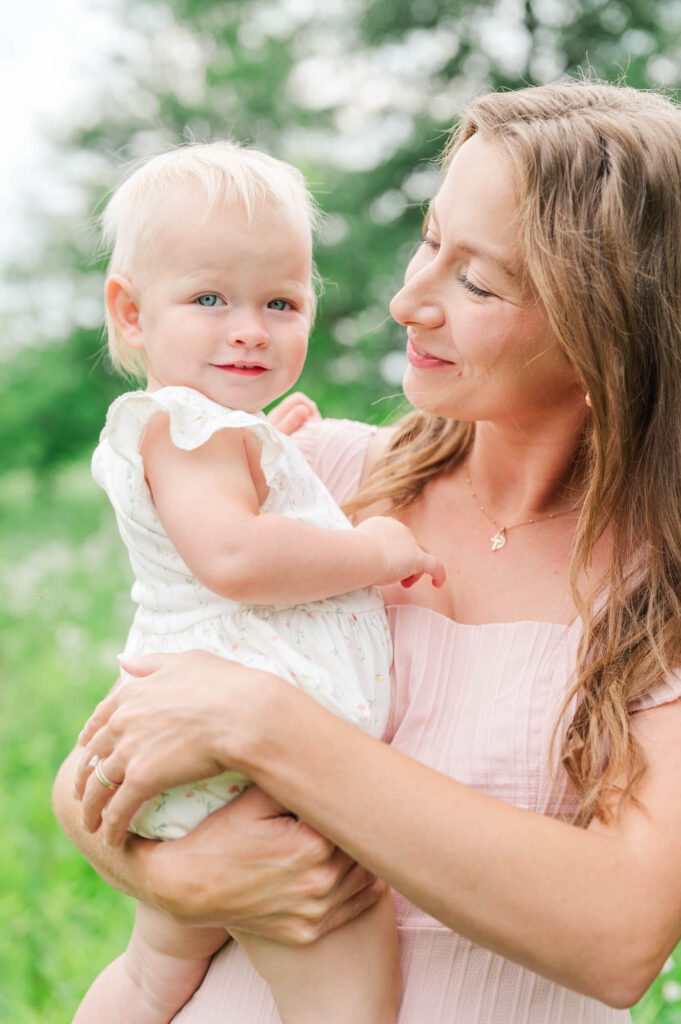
(358, 93)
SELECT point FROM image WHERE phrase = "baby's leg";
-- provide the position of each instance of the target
(350, 976)
(164, 964)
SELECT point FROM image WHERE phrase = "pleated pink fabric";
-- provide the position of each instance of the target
(477, 703)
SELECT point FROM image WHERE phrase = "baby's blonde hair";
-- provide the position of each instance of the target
(225, 172)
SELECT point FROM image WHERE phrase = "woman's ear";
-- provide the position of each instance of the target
(123, 309)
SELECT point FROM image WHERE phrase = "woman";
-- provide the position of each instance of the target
(543, 467)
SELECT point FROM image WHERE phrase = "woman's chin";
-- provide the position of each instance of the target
(427, 396)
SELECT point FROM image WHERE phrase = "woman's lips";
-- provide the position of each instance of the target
(423, 361)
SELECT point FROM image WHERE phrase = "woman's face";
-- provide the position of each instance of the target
(479, 348)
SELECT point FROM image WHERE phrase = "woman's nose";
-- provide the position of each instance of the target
(416, 304)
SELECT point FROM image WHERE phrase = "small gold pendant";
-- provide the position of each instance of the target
(498, 540)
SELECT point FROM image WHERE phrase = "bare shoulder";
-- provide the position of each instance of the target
(376, 448)
(155, 439)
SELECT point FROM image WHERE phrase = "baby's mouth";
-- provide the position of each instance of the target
(242, 369)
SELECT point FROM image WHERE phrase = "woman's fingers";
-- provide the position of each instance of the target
(99, 789)
(140, 665)
(134, 665)
(314, 920)
(99, 717)
(352, 879)
(353, 906)
(335, 891)
(121, 807)
(98, 746)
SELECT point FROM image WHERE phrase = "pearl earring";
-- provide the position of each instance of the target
(587, 400)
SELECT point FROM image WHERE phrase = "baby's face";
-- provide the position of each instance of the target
(225, 303)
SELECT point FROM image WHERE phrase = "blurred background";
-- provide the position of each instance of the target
(360, 95)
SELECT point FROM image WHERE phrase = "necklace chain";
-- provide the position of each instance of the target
(498, 541)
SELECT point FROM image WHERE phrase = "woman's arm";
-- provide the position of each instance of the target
(597, 910)
(209, 503)
(284, 881)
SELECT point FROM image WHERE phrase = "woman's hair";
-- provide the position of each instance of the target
(597, 172)
(223, 172)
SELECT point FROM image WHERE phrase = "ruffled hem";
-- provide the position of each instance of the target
(194, 419)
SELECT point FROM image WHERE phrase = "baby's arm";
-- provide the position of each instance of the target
(208, 500)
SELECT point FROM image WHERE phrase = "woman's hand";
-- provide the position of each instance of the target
(293, 412)
(252, 867)
(164, 728)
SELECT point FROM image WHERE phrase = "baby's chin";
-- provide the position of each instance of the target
(242, 394)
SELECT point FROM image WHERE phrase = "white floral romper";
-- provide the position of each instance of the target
(337, 650)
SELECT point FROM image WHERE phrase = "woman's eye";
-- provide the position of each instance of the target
(279, 304)
(208, 300)
(430, 242)
(474, 288)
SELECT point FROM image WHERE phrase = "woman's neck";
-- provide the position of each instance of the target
(519, 475)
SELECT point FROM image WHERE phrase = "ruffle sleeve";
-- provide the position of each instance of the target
(193, 420)
(664, 692)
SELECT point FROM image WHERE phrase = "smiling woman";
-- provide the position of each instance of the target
(468, 308)
(525, 807)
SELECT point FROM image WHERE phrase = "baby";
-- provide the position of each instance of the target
(236, 546)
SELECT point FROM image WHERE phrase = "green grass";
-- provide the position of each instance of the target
(64, 613)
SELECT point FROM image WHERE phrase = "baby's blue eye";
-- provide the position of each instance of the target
(278, 304)
(208, 300)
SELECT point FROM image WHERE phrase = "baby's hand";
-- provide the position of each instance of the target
(402, 556)
(293, 412)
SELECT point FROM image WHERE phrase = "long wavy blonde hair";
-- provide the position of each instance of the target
(598, 180)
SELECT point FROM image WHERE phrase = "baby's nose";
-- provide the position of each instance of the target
(249, 332)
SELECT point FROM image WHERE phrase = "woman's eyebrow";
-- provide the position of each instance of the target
(509, 268)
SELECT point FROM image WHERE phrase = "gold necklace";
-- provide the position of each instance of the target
(498, 541)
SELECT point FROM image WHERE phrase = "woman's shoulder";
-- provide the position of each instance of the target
(341, 452)
(666, 691)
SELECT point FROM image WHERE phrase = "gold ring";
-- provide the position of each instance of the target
(104, 779)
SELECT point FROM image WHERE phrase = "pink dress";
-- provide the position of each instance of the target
(477, 703)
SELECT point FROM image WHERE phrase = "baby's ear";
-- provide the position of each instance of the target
(123, 309)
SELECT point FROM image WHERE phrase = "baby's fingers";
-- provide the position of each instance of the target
(436, 570)
(294, 419)
(293, 412)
